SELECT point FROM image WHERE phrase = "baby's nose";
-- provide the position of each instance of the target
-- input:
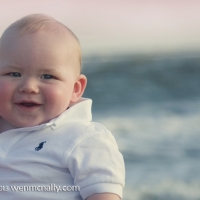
(29, 86)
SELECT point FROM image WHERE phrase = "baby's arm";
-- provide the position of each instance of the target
(104, 196)
(97, 166)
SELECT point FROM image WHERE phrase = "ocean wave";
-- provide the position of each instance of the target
(160, 145)
(134, 81)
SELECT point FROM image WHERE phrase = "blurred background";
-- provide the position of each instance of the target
(142, 60)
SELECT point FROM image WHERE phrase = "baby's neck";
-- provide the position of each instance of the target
(5, 126)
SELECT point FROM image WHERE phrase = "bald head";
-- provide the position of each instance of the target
(39, 22)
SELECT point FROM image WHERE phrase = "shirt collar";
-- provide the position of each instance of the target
(79, 111)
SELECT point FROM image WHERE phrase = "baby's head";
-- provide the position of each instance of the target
(40, 64)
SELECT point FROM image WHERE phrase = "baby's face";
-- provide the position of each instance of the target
(37, 78)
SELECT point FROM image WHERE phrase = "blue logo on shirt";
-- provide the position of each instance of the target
(40, 146)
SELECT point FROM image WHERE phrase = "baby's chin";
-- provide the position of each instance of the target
(27, 123)
(24, 121)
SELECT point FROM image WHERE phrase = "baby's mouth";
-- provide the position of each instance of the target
(29, 104)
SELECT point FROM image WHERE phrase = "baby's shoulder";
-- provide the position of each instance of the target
(78, 131)
(83, 128)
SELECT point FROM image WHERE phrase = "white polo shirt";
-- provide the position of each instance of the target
(46, 161)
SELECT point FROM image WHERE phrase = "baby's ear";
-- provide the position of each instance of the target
(79, 88)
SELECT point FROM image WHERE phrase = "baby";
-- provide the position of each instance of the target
(48, 142)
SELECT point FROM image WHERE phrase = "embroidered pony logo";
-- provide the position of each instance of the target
(40, 146)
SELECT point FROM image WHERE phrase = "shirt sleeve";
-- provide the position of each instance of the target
(96, 165)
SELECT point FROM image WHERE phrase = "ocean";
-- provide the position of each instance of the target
(151, 104)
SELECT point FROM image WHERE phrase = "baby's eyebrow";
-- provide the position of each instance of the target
(13, 67)
(51, 70)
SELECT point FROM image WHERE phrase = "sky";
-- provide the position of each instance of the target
(119, 26)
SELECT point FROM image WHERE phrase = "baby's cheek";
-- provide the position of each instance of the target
(57, 98)
(6, 93)
(5, 89)
(50, 95)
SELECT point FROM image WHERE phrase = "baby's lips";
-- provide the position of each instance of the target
(28, 103)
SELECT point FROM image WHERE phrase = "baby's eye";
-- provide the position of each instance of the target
(47, 76)
(15, 74)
